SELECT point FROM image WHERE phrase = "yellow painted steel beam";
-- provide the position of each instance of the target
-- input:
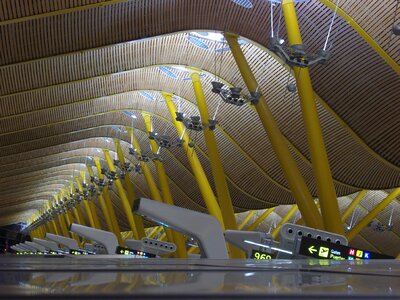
(69, 220)
(247, 219)
(102, 203)
(292, 174)
(156, 231)
(121, 193)
(108, 203)
(197, 169)
(63, 225)
(177, 237)
(57, 230)
(349, 210)
(217, 169)
(284, 220)
(92, 206)
(131, 193)
(364, 35)
(372, 214)
(319, 158)
(154, 192)
(85, 204)
(261, 218)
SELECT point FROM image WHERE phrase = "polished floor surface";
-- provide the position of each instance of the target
(105, 277)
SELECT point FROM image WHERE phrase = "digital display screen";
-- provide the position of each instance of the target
(326, 250)
(79, 252)
(136, 253)
(261, 255)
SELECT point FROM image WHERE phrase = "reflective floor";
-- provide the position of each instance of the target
(125, 278)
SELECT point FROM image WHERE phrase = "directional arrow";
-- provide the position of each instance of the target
(312, 250)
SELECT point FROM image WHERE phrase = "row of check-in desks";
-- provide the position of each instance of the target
(270, 270)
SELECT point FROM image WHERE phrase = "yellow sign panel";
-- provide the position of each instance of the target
(323, 252)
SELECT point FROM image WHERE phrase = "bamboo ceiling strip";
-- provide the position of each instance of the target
(14, 9)
(26, 194)
(345, 30)
(376, 17)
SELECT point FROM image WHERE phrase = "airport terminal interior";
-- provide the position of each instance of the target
(199, 149)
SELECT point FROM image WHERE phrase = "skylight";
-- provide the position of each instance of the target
(130, 114)
(147, 95)
(244, 3)
(168, 72)
(197, 42)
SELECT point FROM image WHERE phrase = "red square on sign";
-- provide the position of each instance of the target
(352, 252)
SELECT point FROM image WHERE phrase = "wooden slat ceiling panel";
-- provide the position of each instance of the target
(376, 17)
(14, 9)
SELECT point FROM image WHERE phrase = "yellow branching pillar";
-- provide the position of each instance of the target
(221, 186)
(102, 202)
(92, 206)
(108, 204)
(261, 218)
(247, 219)
(131, 193)
(353, 205)
(121, 193)
(165, 190)
(154, 192)
(372, 214)
(85, 203)
(292, 174)
(197, 169)
(284, 220)
(319, 158)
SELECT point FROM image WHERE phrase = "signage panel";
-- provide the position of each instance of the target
(136, 253)
(255, 254)
(322, 249)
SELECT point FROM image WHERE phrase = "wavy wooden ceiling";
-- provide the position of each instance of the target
(67, 76)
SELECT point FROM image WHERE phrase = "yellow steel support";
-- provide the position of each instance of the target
(154, 192)
(121, 193)
(153, 231)
(221, 186)
(69, 220)
(85, 204)
(353, 205)
(48, 227)
(372, 214)
(292, 174)
(261, 218)
(57, 231)
(92, 207)
(108, 203)
(102, 202)
(284, 220)
(246, 219)
(63, 225)
(166, 191)
(319, 158)
(131, 193)
(197, 169)
(113, 216)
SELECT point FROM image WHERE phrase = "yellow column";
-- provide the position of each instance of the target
(221, 186)
(153, 231)
(48, 227)
(63, 225)
(69, 220)
(109, 206)
(121, 193)
(246, 219)
(353, 205)
(85, 204)
(92, 206)
(197, 169)
(284, 220)
(154, 192)
(131, 193)
(322, 173)
(57, 231)
(292, 174)
(261, 218)
(372, 214)
(177, 237)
